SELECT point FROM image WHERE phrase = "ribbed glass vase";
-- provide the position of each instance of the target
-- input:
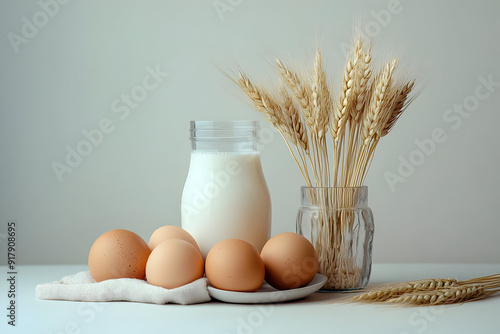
(339, 223)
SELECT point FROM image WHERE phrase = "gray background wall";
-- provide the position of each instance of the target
(68, 75)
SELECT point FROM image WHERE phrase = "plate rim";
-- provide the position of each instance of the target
(266, 297)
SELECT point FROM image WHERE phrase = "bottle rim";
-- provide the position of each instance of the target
(223, 124)
(223, 130)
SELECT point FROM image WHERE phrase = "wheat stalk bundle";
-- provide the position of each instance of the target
(305, 110)
(433, 291)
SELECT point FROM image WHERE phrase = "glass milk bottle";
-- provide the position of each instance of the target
(225, 195)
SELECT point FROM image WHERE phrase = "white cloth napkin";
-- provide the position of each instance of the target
(82, 287)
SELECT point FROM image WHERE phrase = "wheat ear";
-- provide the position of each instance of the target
(379, 95)
(401, 103)
(362, 79)
(322, 101)
(293, 121)
(273, 113)
(301, 92)
(346, 100)
(260, 99)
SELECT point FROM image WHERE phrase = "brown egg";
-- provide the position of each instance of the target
(174, 263)
(118, 254)
(168, 232)
(290, 260)
(234, 265)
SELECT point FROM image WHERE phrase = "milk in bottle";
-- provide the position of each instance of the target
(225, 194)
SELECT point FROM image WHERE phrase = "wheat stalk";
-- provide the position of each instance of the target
(401, 103)
(386, 293)
(379, 95)
(377, 112)
(260, 99)
(490, 282)
(433, 291)
(301, 92)
(283, 117)
(362, 78)
(294, 123)
(346, 101)
(362, 74)
(322, 104)
(322, 100)
(304, 95)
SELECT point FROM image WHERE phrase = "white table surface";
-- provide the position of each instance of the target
(318, 313)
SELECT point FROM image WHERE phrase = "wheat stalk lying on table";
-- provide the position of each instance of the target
(396, 290)
(433, 291)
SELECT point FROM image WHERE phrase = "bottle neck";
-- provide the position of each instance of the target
(228, 137)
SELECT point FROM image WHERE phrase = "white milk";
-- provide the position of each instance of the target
(225, 196)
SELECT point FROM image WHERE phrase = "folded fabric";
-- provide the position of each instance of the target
(82, 287)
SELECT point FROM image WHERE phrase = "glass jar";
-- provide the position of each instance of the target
(339, 224)
(225, 194)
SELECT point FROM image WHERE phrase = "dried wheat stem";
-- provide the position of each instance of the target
(322, 105)
(489, 282)
(304, 173)
(362, 74)
(342, 113)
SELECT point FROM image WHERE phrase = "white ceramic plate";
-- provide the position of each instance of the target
(267, 294)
